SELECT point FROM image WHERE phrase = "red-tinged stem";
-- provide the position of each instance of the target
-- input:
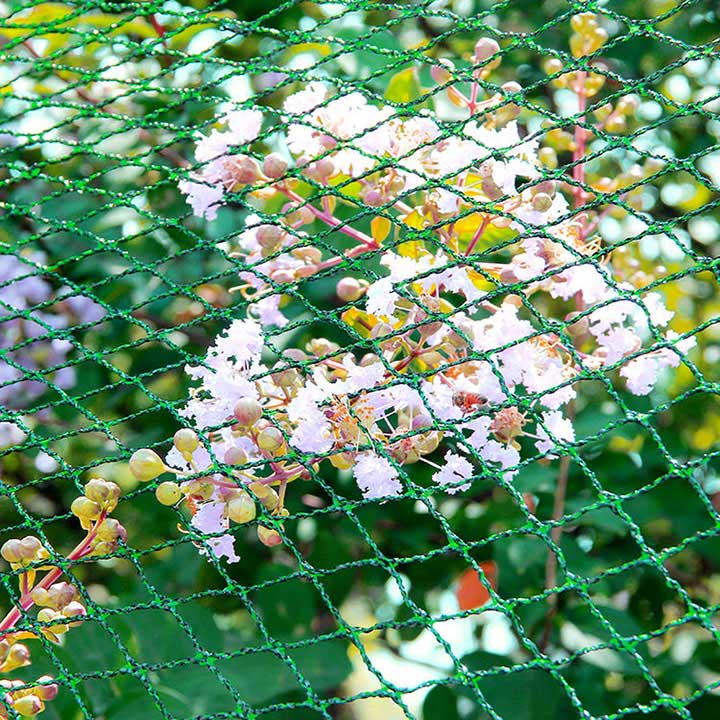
(26, 601)
(330, 219)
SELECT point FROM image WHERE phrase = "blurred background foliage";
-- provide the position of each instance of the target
(367, 614)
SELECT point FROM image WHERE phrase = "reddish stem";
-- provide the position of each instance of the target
(330, 219)
(26, 601)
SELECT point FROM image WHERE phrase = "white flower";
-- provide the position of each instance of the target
(305, 100)
(243, 340)
(211, 147)
(381, 299)
(659, 314)
(313, 434)
(618, 343)
(559, 427)
(362, 377)
(267, 311)
(210, 519)
(454, 473)
(10, 434)
(641, 374)
(244, 126)
(376, 476)
(203, 197)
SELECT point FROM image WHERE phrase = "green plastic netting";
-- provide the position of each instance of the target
(579, 583)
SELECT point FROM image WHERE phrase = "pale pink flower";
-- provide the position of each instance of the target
(559, 428)
(210, 519)
(454, 473)
(376, 476)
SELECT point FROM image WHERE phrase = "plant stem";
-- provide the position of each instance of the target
(26, 601)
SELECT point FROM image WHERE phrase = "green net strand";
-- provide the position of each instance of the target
(576, 581)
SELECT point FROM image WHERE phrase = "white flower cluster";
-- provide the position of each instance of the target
(497, 295)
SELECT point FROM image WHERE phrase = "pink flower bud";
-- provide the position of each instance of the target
(275, 166)
(46, 689)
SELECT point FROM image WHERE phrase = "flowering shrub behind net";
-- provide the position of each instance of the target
(408, 320)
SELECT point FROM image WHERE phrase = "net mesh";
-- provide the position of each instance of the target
(597, 602)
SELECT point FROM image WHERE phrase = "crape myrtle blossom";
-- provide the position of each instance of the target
(492, 295)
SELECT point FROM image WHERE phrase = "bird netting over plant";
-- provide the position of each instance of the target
(388, 335)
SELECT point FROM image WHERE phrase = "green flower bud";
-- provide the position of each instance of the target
(104, 493)
(241, 509)
(265, 494)
(85, 509)
(146, 465)
(186, 441)
(168, 493)
(270, 439)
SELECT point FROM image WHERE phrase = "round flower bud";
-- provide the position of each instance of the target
(60, 594)
(265, 494)
(275, 166)
(18, 656)
(270, 439)
(616, 124)
(46, 689)
(41, 597)
(235, 456)
(269, 537)
(85, 509)
(582, 22)
(542, 202)
(186, 441)
(241, 170)
(374, 198)
(552, 66)
(10, 551)
(110, 531)
(421, 421)
(104, 493)
(548, 157)
(28, 705)
(168, 493)
(241, 509)
(349, 289)
(74, 610)
(485, 48)
(31, 549)
(270, 236)
(247, 411)
(146, 465)
(282, 276)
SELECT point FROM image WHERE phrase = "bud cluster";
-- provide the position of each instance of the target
(59, 602)
(496, 294)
